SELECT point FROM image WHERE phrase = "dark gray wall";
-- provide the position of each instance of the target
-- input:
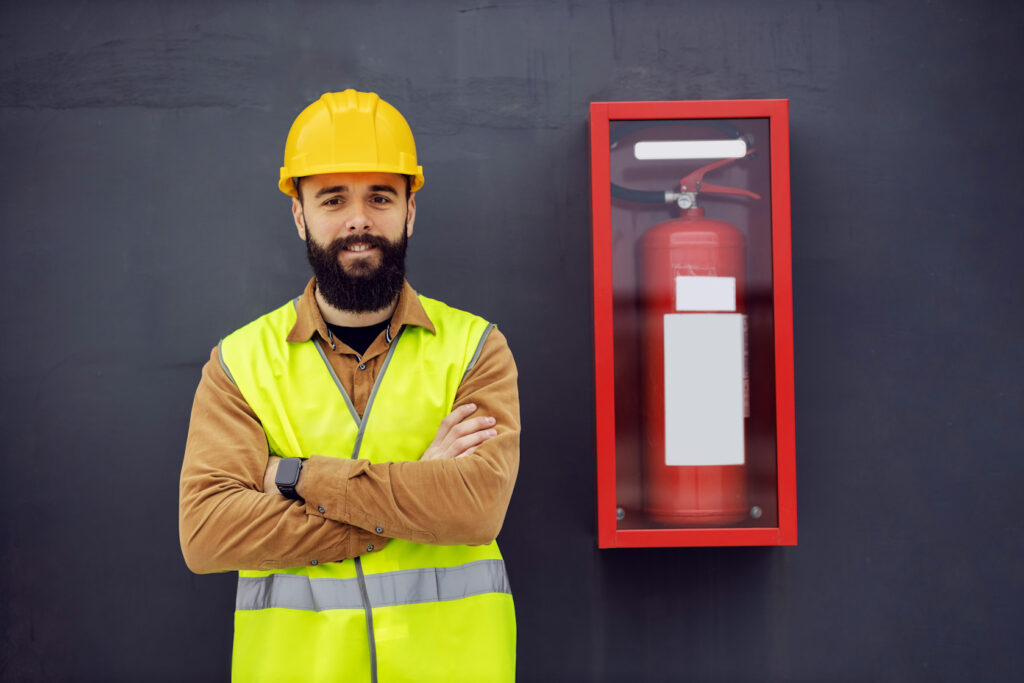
(140, 143)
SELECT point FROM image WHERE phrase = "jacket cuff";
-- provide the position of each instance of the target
(327, 495)
(325, 486)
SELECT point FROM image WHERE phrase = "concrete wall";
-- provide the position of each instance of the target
(141, 142)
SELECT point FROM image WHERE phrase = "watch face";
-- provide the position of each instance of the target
(288, 472)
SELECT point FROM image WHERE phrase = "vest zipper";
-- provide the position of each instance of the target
(361, 421)
(369, 620)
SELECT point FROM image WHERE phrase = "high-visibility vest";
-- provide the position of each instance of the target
(411, 612)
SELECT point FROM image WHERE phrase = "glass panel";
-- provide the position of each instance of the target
(694, 343)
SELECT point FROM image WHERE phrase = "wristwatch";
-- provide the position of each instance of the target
(287, 478)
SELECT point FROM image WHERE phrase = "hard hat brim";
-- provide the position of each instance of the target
(287, 185)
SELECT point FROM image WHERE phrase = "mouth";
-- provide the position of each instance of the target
(359, 248)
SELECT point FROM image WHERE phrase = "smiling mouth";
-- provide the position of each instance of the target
(359, 248)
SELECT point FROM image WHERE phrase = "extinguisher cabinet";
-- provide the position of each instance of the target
(693, 329)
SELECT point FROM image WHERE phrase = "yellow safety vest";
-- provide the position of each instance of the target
(411, 612)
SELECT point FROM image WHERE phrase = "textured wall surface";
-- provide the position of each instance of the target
(141, 143)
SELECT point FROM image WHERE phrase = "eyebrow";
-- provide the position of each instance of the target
(342, 188)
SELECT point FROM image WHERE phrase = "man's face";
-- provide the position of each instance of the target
(356, 226)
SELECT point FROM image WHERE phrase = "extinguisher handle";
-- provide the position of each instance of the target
(718, 189)
(694, 182)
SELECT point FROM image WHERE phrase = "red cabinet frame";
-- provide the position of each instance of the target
(612, 533)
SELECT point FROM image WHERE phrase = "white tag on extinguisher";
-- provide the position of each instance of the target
(705, 293)
(704, 389)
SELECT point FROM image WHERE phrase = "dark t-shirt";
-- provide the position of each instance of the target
(359, 338)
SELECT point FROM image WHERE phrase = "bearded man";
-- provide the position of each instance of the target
(352, 453)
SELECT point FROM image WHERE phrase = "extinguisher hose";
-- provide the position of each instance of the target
(639, 196)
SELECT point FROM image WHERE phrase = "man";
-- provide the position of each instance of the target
(353, 452)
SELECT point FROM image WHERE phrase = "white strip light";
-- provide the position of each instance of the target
(690, 149)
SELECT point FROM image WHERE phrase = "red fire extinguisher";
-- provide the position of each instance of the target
(695, 386)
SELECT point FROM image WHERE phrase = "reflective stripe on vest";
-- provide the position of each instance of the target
(408, 587)
(411, 611)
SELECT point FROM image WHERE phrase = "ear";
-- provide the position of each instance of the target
(300, 220)
(410, 216)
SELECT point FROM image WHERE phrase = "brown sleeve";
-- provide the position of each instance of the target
(444, 502)
(225, 520)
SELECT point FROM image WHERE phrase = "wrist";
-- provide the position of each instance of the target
(300, 488)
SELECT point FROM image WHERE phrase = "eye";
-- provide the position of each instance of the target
(380, 199)
(332, 201)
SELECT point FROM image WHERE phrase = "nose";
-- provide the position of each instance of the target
(357, 221)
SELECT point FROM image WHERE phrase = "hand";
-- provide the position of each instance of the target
(270, 476)
(459, 434)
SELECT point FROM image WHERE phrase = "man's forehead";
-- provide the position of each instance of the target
(354, 181)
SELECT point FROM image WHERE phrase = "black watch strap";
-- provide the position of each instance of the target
(287, 478)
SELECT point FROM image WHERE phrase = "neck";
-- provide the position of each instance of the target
(337, 316)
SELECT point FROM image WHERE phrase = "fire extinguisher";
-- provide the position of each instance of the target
(694, 356)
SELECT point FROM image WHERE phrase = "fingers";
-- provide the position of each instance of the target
(467, 427)
(470, 432)
(452, 419)
(472, 440)
(459, 434)
(459, 414)
(458, 423)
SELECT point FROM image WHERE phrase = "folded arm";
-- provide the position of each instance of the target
(229, 520)
(443, 500)
(226, 522)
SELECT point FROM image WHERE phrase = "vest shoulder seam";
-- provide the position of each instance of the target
(223, 364)
(479, 349)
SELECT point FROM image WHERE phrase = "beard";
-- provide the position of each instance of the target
(364, 287)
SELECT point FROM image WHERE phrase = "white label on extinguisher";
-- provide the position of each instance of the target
(702, 293)
(704, 389)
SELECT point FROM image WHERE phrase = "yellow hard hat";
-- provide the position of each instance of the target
(349, 132)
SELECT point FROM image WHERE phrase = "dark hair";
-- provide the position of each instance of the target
(408, 187)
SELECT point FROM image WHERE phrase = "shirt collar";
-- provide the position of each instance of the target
(308, 322)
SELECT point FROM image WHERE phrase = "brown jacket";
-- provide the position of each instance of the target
(226, 522)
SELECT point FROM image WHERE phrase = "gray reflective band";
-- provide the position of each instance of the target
(296, 591)
(360, 421)
(373, 394)
(479, 349)
(337, 382)
(438, 584)
(220, 355)
(408, 587)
